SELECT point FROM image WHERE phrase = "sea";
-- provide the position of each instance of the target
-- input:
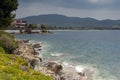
(98, 50)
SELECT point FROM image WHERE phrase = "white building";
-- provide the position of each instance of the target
(20, 23)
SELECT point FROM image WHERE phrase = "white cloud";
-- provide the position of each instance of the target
(102, 1)
(93, 1)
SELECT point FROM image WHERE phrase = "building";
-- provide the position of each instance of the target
(20, 23)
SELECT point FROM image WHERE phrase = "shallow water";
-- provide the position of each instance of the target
(99, 50)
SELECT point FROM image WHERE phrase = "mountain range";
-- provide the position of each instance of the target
(75, 22)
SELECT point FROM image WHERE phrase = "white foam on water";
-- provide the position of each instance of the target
(67, 64)
(34, 42)
(44, 46)
(79, 68)
(97, 72)
(57, 54)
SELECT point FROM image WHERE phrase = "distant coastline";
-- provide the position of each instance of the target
(56, 21)
(38, 31)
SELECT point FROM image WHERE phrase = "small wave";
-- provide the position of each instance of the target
(34, 42)
(80, 69)
(66, 64)
(57, 55)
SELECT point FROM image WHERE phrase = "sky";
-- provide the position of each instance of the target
(98, 9)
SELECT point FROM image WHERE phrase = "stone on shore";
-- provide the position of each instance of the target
(54, 67)
(24, 68)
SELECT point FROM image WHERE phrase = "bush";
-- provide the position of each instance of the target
(7, 42)
(5, 33)
(2, 50)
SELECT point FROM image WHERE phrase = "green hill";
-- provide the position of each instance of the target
(74, 22)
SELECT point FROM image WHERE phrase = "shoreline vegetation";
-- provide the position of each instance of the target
(26, 32)
(47, 32)
(14, 66)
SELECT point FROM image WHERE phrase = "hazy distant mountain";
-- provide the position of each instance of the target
(61, 20)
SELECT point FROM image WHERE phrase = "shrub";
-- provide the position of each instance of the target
(5, 33)
(7, 42)
(2, 50)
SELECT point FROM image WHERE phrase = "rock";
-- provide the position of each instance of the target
(37, 67)
(36, 46)
(38, 58)
(39, 49)
(49, 65)
(54, 67)
(33, 62)
(57, 68)
(17, 52)
(35, 53)
(24, 68)
(25, 41)
(62, 78)
(9, 63)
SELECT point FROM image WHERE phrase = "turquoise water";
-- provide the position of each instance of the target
(99, 50)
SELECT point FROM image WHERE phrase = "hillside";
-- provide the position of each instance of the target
(15, 67)
(75, 22)
(10, 69)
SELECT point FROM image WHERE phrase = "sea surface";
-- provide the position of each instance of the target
(98, 50)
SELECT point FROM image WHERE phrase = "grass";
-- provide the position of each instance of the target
(10, 69)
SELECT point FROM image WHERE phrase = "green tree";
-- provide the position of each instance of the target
(6, 12)
(32, 26)
(43, 28)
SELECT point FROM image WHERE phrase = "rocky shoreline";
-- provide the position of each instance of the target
(59, 71)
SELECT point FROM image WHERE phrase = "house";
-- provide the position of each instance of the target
(20, 23)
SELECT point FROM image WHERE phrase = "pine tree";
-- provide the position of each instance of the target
(6, 12)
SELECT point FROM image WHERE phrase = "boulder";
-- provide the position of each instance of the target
(54, 67)
(33, 62)
(38, 57)
(39, 49)
(36, 46)
(25, 41)
(35, 53)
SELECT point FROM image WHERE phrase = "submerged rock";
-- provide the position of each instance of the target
(36, 46)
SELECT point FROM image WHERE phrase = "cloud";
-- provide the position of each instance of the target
(80, 4)
(102, 1)
(99, 9)
(93, 1)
